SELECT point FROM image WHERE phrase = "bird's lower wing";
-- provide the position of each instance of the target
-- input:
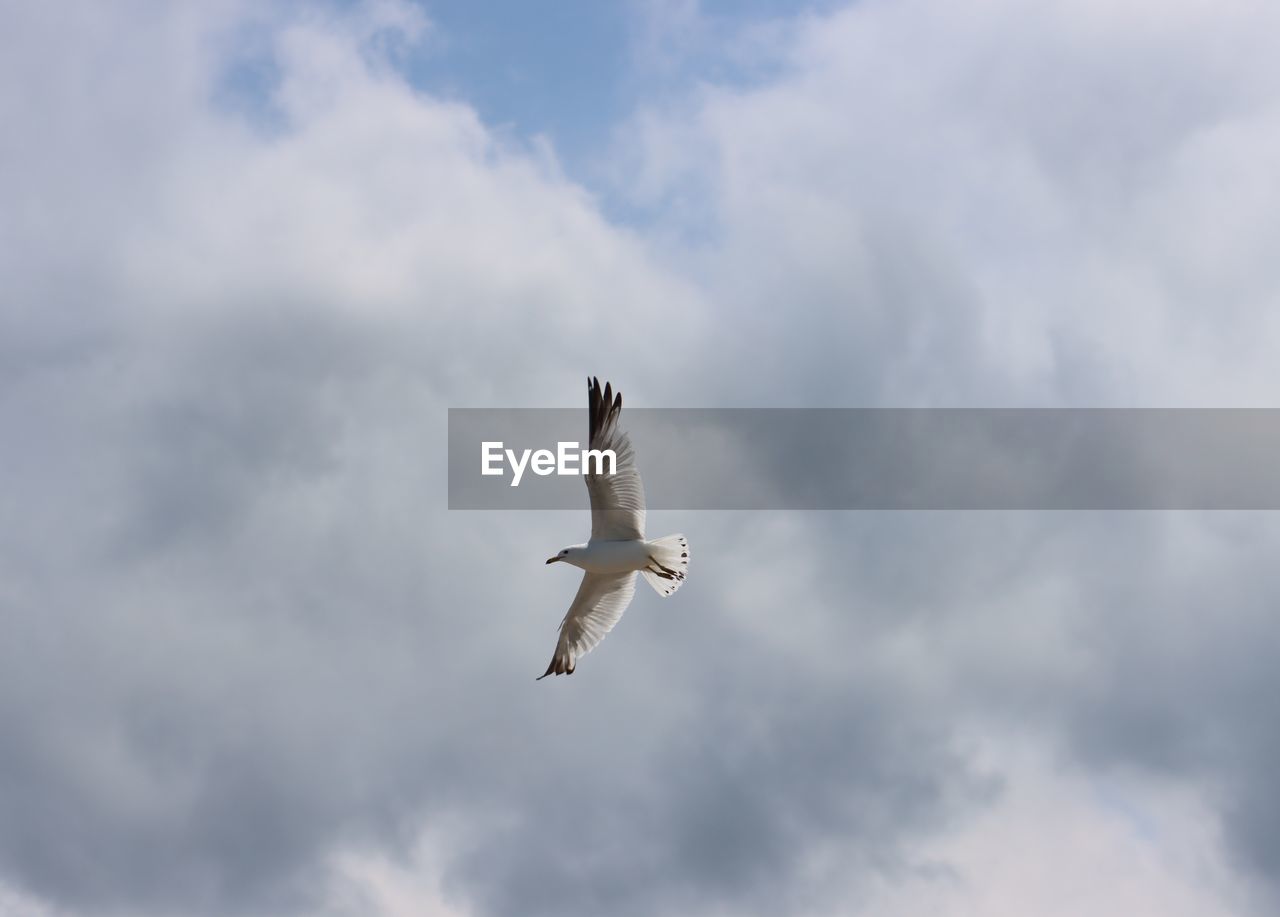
(599, 604)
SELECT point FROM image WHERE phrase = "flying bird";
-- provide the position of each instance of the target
(617, 550)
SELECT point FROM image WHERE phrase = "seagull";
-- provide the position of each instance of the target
(617, 550)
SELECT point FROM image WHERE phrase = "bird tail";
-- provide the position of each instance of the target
(668, 563)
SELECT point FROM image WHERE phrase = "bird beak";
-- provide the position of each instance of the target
(552, 560)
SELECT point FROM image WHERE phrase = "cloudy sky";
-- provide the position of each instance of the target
(250, 664)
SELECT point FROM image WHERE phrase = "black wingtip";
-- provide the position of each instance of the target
(603, 407)
(593, 408)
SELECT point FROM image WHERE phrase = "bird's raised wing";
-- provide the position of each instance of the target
(599, 604)
(617, 500)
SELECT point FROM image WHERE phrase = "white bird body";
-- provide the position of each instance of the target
(617, 549)
(603, 556)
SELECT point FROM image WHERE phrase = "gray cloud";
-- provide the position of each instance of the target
(243, 636)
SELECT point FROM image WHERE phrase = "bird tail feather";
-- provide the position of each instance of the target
(668, 564)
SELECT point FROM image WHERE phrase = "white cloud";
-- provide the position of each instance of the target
(1059, 843)
(401, 886)
(248, 654)
(990, 204)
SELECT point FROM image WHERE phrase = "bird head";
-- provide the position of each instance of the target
(566, 553)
